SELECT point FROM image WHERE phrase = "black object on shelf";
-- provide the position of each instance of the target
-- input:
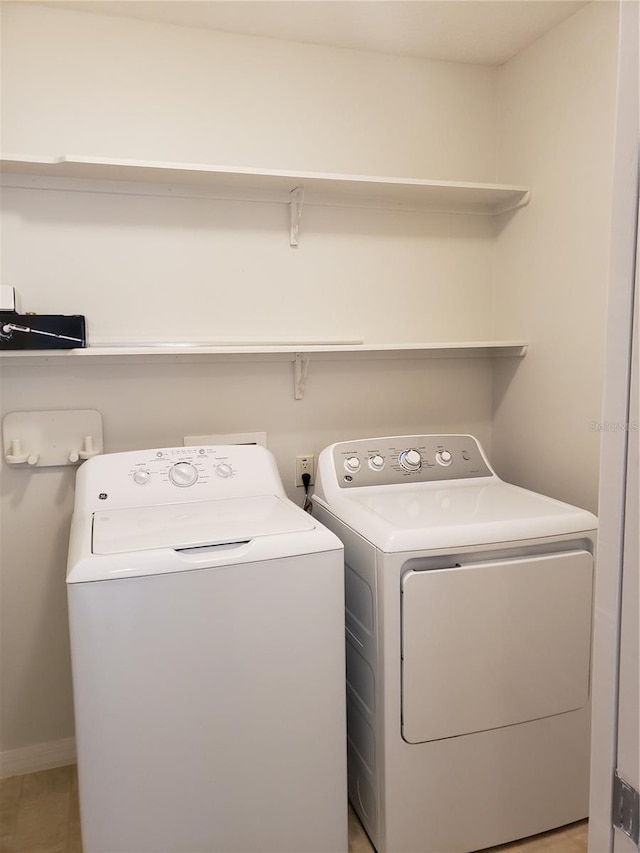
(42, 331)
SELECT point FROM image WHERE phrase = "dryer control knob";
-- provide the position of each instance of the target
(443, 457)
(141, 478)
(224, 470)
(183, 474)
(411, 460)
(352, 464)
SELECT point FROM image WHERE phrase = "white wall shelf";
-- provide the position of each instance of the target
(277, 352)
(85, 174)
(299, 354)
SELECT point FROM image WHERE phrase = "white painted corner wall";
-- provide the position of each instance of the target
(556, 133)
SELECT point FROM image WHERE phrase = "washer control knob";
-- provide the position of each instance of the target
(443, 457)
(352, 464)
(183, 474)
(411, 460)
(224, 470)
(376, 462)
(141, 478)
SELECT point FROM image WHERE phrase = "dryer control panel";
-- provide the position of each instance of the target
(402, 459)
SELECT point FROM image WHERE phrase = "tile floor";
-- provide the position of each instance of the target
(39, 814)
(568, 839)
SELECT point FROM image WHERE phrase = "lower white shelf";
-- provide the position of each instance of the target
(280, 352)
(298, 354)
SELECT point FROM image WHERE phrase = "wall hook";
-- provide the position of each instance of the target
(88, 449)
(17, 456)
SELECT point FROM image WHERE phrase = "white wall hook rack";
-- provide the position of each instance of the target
(51, 438)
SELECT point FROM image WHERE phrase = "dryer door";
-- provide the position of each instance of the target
(493, 644)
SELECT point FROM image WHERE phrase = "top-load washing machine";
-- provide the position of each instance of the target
(468, 627)
(207, 639)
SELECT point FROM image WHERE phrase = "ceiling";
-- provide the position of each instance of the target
(487, 32)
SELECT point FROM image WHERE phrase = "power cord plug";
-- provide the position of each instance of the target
(307, 506)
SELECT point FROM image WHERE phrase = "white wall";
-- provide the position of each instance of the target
(85, 84)
(74, 83)
(82, 84)
(556, 127)
(199, 269)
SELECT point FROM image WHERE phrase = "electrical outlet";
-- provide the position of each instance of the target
(305, 465)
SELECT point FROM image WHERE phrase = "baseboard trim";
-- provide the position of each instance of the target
(40, 756)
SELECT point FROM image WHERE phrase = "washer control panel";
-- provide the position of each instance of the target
(419, 458)
(180, 467)
(176, 475)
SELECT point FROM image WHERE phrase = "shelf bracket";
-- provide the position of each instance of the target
(300, 370)
(295, 213)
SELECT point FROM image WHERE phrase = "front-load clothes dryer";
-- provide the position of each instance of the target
(468, 628)
(207, 638)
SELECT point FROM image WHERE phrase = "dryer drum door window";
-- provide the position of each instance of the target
(487, 645)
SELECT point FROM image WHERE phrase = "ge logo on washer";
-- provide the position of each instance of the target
(103, 496)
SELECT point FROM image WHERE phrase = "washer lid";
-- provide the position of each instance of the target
(195, 524)
(456, 514)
